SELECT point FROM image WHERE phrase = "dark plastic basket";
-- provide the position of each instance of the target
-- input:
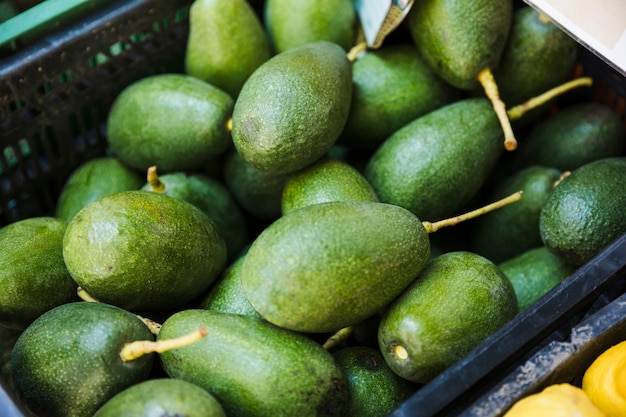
(55, 95)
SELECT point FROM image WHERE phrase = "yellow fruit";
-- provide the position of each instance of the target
(605, 381)
(559, 400)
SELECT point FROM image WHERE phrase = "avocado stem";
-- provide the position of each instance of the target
(339, 337)
(491, 90)
(85, 296)
(518, 111)
(229, 124)
(563, 175)
(134, 350)
(356, 50)
(433, 227)
(153, 179)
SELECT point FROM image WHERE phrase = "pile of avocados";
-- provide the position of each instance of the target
(258, 238)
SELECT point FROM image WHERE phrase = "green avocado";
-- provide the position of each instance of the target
(437, 163)
(254, 368)
(162, 397)
(585, 211)
(533, 273)
(537, 57)
(374, 389)
(456, 302)
(258, 192)
(514, 229)
(33, 275)
(460, 38)
(571, 137)
(212, 197)
(392, 86)
(227, 293)
(226, 43)
(143, 251)
(67, 362)
(292, 109)
(174, 121)
(330, 265)
(325, 180)
(293, 23)
(92, 179)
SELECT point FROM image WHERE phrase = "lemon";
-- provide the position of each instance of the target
(558, 400)
(605, 381)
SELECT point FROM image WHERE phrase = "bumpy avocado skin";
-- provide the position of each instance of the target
(92, 179)
(330, 265)
(214, 199)
(434, 165)
(514, 229)
(33, 275)
(393, 85)
(293, 108)
(67, 362)
(533, 273)
(226, 43)
(254, 368)
(585, 212)
(538, 56)
(292, 23)
(571, 137)
(162, 397)
(459, 38)
(457, 301)
(325, 180)
(143, 251)
(174, 121)
(374, 389)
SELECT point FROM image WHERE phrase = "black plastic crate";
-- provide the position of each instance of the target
(55, 95)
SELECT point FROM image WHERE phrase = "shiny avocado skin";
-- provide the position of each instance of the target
(67, 362)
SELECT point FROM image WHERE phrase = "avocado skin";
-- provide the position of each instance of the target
(571, 137)
(162, 397)
(392, 86)
(330, 265)
(174, 121)
(292, 109)
(514, 229)
(254, 368)
(258, 192)
(537, 57)
(214, 199)
(92, 179)
(434, 165)
(227, 295)
(533, 273)
(143, 251)
(325, 180)
(374, 389)
(33, 275)
(226, 43)
(67, 363)
(585, 212)
(293, 23)
(458, 38)
(457, 301)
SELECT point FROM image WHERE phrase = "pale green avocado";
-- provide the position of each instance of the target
(143, 251)
(174, 121)
(226, 43)
(292, 109)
